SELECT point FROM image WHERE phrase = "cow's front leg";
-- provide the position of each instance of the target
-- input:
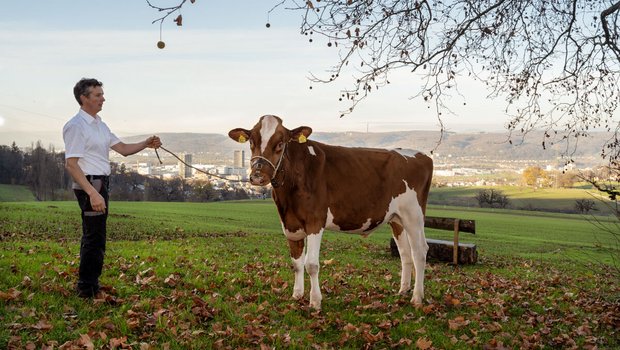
(312, 266)
(298, 259)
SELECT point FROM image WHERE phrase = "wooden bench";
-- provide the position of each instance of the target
(452, 251)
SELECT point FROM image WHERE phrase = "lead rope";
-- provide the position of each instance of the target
(193, 167)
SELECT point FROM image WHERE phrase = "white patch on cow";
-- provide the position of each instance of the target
(406, 201)
(406, 152)
(298, 269)
(267, 129)
(407, 212)
(329, 221)
(311, 150)
(363, 228)
(293, 236)
(329, 224)
(312, 267)
(366, 225)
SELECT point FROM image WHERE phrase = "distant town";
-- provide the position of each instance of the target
(223, 173)
(211, 167)
(231, 170)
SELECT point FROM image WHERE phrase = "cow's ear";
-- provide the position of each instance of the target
(239, 135)
(301, 134)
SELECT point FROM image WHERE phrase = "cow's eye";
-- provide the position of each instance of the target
(279, 146)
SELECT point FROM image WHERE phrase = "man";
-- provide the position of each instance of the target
(87, 142)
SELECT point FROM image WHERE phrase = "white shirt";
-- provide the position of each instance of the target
(89, 139)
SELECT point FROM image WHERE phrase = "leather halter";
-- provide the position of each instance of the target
(276, 167)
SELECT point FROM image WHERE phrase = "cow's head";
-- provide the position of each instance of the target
(268, 143)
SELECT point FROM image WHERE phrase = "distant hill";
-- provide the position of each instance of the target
(483, 145)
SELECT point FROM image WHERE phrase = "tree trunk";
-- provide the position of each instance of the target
(443, 251)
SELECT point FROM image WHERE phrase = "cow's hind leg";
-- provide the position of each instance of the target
(406, 261)
(413, 223)
(298, 259)
(312, 266)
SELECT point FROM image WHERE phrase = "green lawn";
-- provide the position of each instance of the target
(545, 199)
(504, 232)
(12, 193)
(217, 275)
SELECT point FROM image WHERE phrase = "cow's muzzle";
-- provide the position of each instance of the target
(259, 172)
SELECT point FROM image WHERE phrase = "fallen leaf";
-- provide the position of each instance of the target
(11, 294)
(86, 342)
(423, 343)
(118, 342)
(172, 280)
(583, 330)
(350, 328)
(428, 309)
(43, 325)
(457, 323)
(451, 301)
(26, 281)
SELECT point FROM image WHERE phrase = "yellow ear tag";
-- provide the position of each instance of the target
(242, 139)
(302, 139)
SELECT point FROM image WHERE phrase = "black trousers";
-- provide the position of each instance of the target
(92, 247)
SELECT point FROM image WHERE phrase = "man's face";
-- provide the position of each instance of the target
(93, 101)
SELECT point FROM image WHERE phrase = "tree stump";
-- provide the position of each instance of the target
(443, 251)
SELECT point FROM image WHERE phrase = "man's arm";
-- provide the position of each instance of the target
(96, 200)
(127, 149)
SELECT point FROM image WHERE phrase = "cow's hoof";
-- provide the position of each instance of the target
(298, 295)
(416, 301)
(404, 291)
(316, 306)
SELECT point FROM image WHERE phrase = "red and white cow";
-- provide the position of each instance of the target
(318, 186)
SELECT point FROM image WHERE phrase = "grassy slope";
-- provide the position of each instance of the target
(520, 197)
(560, 199)
(505, 232)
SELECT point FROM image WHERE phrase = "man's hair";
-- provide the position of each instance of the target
(82, 87)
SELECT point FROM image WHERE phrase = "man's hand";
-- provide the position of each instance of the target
(97, 202)
(153, 142)
(127, 149)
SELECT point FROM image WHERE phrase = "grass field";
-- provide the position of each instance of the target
(11, 193)
(542, 199)
(217, 275)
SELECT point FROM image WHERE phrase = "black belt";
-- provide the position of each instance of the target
(96, 177)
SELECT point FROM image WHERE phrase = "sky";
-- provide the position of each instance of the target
(221, 70)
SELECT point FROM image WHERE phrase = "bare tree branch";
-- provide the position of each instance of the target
(168, 10)
(556, 64)
(611, 39)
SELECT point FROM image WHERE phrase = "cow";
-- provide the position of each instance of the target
(316, 186)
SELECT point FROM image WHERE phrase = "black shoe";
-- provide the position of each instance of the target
(85, 294)
(86, 291)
